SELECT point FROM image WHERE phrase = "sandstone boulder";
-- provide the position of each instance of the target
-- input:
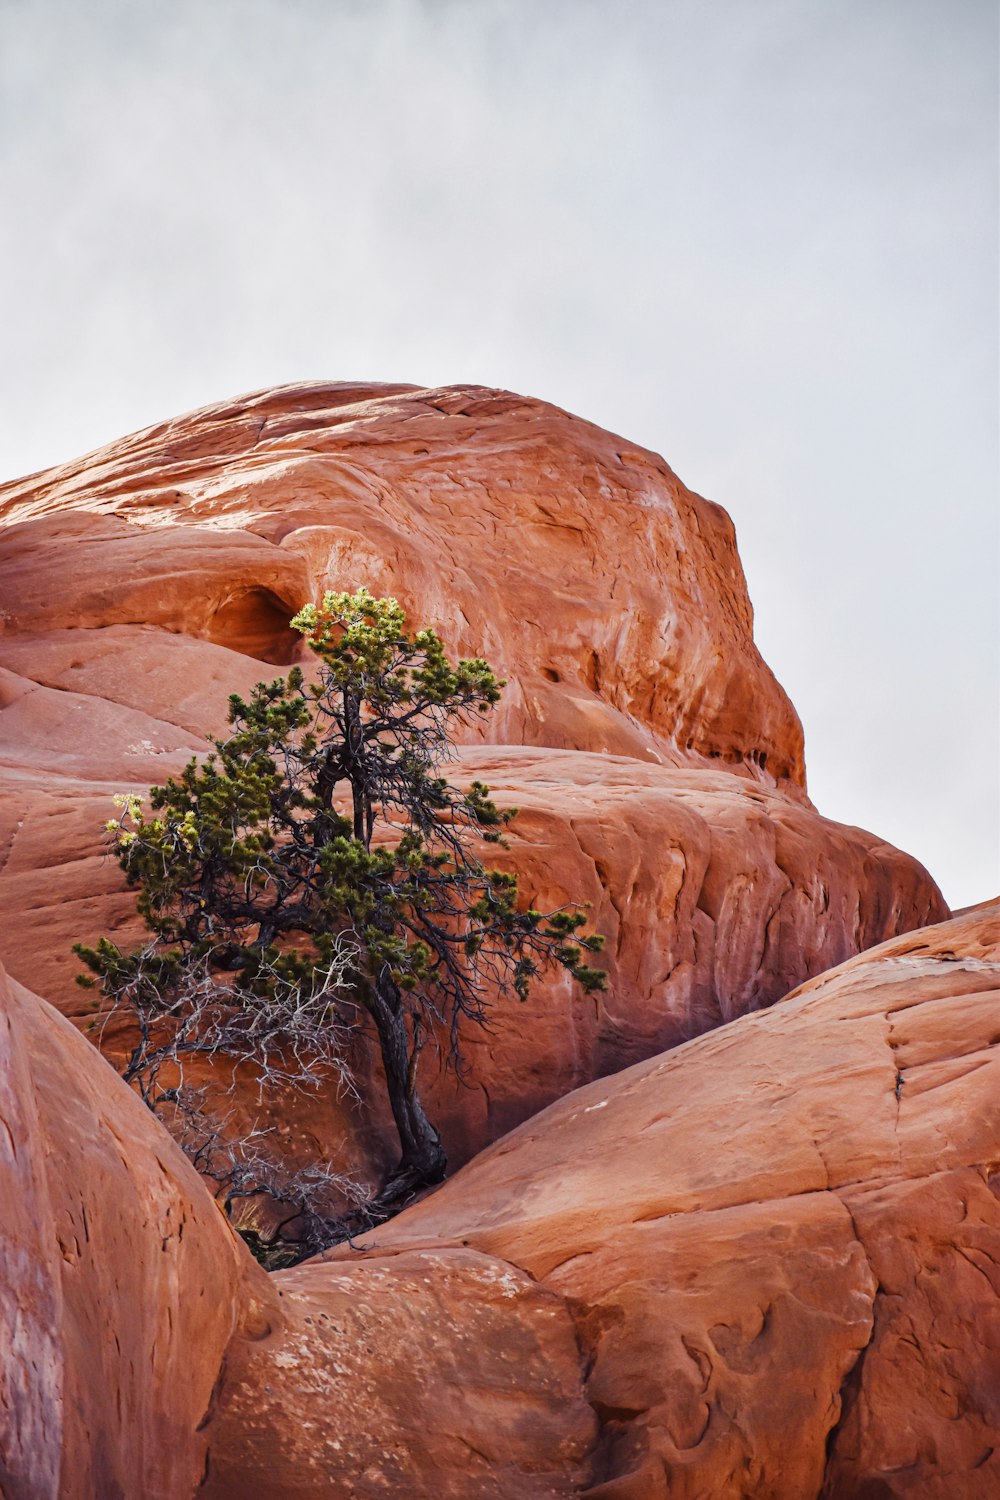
(781, 1241)
(145, 1356)
(119, 1278)
(441, 1376)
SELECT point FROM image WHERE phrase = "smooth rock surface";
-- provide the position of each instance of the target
(610, 596)
(781, 1241)
(119, 1278)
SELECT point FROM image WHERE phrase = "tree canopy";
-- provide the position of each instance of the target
(317, 873)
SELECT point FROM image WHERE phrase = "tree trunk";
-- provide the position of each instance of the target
(422, 1159)
(353, 746)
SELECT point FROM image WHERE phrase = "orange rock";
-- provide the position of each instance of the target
(118, 1277)
(781, 1240)
(717, 895)
(776, 1245)
(143, 1354)
(609, 595)
(445, 1376)
(146, 582)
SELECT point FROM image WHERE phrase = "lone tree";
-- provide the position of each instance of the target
(316, 874)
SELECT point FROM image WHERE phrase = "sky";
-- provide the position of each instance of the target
(757, 236)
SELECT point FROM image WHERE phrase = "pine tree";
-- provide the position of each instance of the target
(317, 874)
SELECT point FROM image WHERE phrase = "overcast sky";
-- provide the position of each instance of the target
(758, 236)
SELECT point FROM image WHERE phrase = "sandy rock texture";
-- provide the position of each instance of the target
(145, 1356)
(118, 1277)
(657, 763)
(780, 1242)
(446, 1375)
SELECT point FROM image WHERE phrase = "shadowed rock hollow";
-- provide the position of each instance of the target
(657, 762)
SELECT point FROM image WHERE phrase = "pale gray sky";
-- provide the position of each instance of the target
(759, 236)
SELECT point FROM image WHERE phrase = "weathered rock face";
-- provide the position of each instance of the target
(118, 1277)
(145, 1356)
(780, 1242)
(765, 1264)
(445, 1375)
(716, 896)
(144, 584)
(609, 595)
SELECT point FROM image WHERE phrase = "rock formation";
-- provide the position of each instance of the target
(658, 764)
(127, 1307)
(610, 597)
(118, 1277)
(763, 1263)
(780, 1242)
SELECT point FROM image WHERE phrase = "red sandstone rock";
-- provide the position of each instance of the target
(716, 895)
(144, 1356)
(781, 1241)
(608, 594)
(777, 1246)
(118, 1278)
(447, 1376)
(148, 581)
